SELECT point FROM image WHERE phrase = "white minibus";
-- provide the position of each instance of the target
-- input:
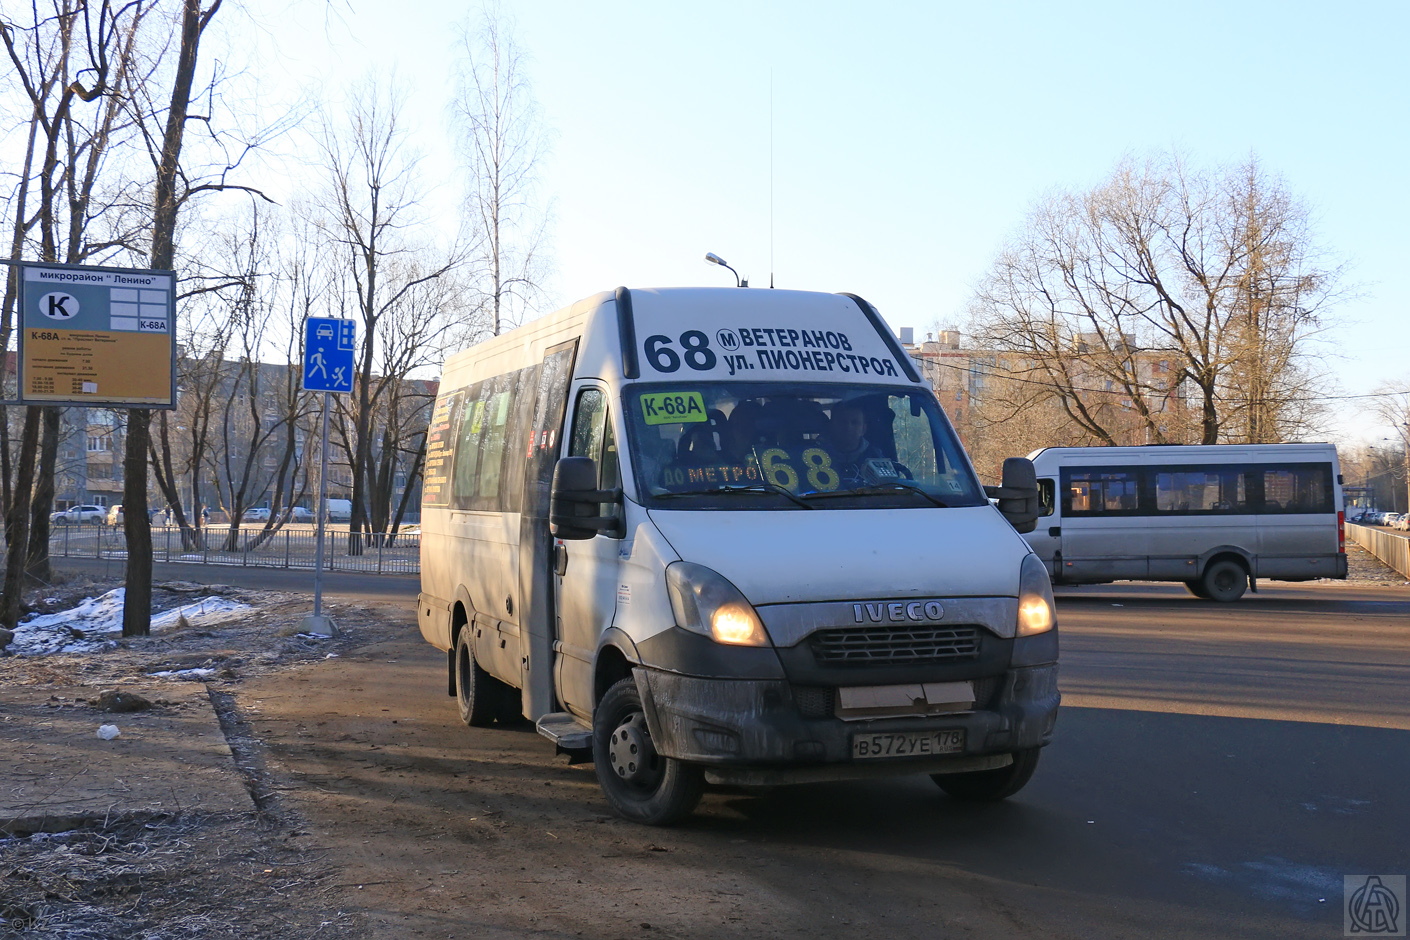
(727, 535)
(1217, 517)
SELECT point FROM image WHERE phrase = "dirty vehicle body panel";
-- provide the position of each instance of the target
(647, 504)
(1173, 513)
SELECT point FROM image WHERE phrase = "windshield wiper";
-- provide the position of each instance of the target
(873, 489)
(740, 488)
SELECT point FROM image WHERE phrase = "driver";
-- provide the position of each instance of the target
(846, 439)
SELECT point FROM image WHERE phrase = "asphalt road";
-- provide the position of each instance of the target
(1218, 770)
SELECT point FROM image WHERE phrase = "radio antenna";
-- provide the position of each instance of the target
(771, 177)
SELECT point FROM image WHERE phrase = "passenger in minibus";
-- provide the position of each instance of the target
(742, 433)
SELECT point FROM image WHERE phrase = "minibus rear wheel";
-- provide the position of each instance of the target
(988, 786)
(640, 784)
(480, 695)
(1224, 580)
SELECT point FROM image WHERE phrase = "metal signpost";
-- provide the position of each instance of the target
(94, 336)
(329, 345)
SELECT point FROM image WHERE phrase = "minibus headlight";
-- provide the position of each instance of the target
(704, 602)
(1036, 613)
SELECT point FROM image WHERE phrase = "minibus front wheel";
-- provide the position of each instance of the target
(640, 784)
(987, 786)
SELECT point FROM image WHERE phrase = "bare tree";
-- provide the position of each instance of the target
(502, 139)
(168, 197)
(372, 214)
(70, 54)
(1393, 407)
(1215, 272)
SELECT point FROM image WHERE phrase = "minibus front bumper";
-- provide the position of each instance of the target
(759, 731)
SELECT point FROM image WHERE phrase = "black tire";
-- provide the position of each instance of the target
(1196, 588)
(988, 786)
(1224, 580)
(640, 785)
(479, 694)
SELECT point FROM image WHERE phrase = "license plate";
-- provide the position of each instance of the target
(908, 744)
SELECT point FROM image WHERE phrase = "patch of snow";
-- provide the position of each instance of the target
(207, 611)
(183, 673)
(96, 624)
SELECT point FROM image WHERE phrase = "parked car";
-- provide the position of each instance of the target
(77, 515)
(339, 510)
(257, 514)
(299, 514)
(1403, 523)
(154, 515)
(1389, 519)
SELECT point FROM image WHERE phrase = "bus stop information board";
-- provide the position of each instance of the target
(97, 336)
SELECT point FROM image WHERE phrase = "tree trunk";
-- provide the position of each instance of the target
(43, 504)
(137, 604)
(17, 522)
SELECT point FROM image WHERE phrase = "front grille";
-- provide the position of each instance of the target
(872, 646)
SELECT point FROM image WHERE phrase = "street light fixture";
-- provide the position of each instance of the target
(713, 258)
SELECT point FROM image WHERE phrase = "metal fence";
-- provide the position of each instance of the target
(247, 546)
(1392, 549)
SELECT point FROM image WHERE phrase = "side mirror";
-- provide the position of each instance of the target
(574, 501)
(1018, 494)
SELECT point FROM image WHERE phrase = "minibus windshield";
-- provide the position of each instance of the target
(766, 445)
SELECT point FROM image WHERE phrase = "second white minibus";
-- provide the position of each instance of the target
(728, 535)
(1216, 517)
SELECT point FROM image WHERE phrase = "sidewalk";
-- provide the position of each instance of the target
(56, 773)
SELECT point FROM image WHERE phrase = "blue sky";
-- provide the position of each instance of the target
(888, 149)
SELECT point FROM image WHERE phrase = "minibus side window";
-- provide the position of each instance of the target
(1102, 492)
(588, 420)
(1303, 488)
(1045, 497)
(1201, 489)
(520, 418)
(496, 422)
(464, 481)
(592, 436)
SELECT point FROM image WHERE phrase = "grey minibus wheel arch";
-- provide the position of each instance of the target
(640, 785)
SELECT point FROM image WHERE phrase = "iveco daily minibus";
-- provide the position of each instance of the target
(727, 535)
(1217, 517)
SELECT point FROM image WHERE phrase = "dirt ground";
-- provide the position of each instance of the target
(371, 812)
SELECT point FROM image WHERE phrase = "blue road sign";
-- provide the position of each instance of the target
(328, 354)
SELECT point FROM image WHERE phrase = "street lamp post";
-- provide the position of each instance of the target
(713, 258)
